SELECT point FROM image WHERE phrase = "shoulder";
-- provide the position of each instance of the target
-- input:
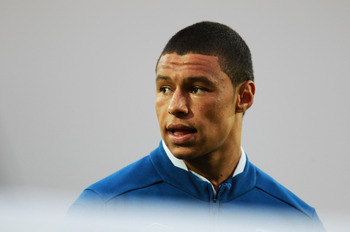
(137, 175)
(281, 194)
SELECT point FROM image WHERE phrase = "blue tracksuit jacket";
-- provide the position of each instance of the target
(155, 179)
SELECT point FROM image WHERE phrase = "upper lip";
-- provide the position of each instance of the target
(180, 127)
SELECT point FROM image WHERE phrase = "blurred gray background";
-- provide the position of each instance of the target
(77, 90)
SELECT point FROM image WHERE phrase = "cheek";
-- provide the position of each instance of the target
(208, 118)
(216, 110)
(218, 116)
(161, 110)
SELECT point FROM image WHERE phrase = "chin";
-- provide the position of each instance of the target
(184, 153)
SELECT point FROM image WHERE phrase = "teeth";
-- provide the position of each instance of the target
(180, 132)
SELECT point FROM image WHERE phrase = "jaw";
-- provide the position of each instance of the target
(182, 152)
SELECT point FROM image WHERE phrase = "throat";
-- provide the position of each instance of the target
(216, 171)
(208, 174)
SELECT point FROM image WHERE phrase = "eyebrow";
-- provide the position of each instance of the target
(199, 79)
(162, 78)
(189, 79)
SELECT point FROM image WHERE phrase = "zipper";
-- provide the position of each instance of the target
(216, 201)
(221, 190)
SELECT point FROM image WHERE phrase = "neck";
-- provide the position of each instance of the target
(215, 167)
(218, 166)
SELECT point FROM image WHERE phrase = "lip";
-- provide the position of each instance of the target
(181, 134)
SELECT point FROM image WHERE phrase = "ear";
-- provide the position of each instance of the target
(245, 96)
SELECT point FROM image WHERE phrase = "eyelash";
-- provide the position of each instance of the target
(196, 88)
(193, 89)
(164, 89)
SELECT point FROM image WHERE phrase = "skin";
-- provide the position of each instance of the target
(200, 113)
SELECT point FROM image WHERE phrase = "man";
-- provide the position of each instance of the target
(204, 85)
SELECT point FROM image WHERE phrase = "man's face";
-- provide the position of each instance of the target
(195, 105)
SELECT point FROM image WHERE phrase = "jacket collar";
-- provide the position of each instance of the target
(193, 185)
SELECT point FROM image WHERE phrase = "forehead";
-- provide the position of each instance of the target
(189, 62)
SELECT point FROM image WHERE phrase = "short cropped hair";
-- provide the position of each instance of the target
(215, 39)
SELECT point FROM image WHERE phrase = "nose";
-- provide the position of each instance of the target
(178, 105)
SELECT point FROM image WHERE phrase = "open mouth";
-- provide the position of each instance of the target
(182, 131)
(179, 130)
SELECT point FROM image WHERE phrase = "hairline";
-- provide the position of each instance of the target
(221, 60)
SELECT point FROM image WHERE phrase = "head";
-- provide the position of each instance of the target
(215, 39)
(204, 85)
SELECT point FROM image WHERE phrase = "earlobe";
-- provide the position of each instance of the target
(245, 97)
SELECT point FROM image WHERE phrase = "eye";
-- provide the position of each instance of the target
(165, 90)
(197, 90)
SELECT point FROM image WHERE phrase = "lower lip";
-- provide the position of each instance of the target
(181, 139)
